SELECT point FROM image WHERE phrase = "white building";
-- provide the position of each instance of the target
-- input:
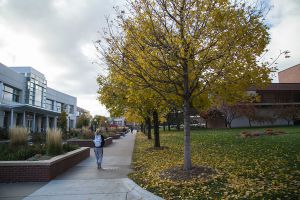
(25, 100)
(119, 121)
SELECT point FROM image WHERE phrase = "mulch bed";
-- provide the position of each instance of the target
(178, 174)
(267, 132)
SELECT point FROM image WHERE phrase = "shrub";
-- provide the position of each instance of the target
(69, 147)
(65, 135)
(4, 134)
(54, 142)
(8, 152)
(18, 136)
(87, 133)
(38, 138)
(105, 134)
(75, 132)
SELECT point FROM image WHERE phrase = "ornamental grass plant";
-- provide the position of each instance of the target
(18, 136)
(54, 142)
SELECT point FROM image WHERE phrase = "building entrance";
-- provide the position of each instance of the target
(29, 124)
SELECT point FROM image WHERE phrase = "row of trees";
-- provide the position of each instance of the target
(165, 55)
(254, 114)
(86, 120)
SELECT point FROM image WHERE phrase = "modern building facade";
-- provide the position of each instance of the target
(290, 75)
(26, 100)
(82, 111)
(275, 96)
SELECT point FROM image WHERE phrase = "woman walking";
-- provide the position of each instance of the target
(98, 149)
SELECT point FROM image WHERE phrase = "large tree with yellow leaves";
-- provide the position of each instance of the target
(188, 51)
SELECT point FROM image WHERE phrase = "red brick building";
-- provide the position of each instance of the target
(275, 96)
(290, 75)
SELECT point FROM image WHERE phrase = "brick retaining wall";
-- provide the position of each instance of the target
(40, 171)
(115, 136)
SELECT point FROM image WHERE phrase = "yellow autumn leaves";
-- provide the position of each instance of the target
(265, 167)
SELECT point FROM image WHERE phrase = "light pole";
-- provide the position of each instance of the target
(69, 124)
(95, 124)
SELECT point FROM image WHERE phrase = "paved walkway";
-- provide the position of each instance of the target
(85, 181)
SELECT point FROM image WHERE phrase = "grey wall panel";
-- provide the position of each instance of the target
(12, 78)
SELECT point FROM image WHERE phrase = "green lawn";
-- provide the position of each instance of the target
(246, 168)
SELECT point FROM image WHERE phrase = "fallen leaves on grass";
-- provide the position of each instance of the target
(267, 167)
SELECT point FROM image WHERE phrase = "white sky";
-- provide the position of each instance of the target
(55, 37)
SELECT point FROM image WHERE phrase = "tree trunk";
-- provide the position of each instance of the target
(177, 120)
(156, 129)
(187, 150)
(145, 127)
(149, 128)
(229, 124)
(169, 127)
(187, 144)
(142, 127)
(164, 125)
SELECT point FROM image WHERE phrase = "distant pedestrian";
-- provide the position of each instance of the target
(98, 149)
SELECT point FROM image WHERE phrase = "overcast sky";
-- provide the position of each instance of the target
(56, 38)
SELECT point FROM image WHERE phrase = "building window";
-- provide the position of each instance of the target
(71, 109)
(11, 94)
(49, 104)
(64, 107)
(38, 96)
(297, 97)
(35, 92)
(71, 123)
(59, 106)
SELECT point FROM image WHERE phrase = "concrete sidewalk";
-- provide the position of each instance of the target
(85, 181)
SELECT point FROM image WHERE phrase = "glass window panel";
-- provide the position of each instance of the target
(58, 106)
(7, 96)
(11, 94)
(71, 109)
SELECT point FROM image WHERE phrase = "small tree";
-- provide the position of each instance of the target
(230, 113)
(249, 111)
(83, 120)
(62, 121)
(210, 115)
(288, 113)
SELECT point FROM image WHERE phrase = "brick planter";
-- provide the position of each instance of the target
(88, 142)
(43, 170)
(122, 133)
(115, 136)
